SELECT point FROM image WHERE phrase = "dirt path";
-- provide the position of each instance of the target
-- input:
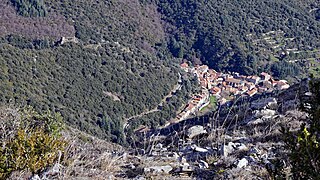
(155, 109)
(143, 113)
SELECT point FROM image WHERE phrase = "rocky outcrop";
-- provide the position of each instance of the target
(266, 103)
(69, 40)
(196, 131)
(245, 148)
(158, 169)
(265, 113)
(242, 163)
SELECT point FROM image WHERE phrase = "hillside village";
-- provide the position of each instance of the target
(225, 87)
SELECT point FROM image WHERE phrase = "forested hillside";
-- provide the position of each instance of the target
(77, 76)
(110, 70)
(17, 23)
(100, 63)
(125, 21)
(86, 86)
(32, 8)
(233, 35)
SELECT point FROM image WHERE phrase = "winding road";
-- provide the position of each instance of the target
(155, 109)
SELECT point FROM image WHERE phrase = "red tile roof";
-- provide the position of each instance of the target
(215, 90)
(252, 92)
(184, 65)
(233, 80)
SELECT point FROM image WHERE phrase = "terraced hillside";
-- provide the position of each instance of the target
(224, 34)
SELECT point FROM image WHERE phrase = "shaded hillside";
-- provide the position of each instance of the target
(30, 8)
(53, 26)
(125, 21)
(90, 21)
(224, 34)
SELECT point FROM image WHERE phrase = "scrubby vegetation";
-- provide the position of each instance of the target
(29, 141)
(302, 146)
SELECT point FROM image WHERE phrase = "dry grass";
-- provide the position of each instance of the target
(87, 156)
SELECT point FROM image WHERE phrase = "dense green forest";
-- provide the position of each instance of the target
(220, 33)
(124, 54)
(123, 21)
(116, 69)
(30, 8)
(83, 84)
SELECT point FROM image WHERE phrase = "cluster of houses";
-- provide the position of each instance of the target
(226, 87)
(198, 102)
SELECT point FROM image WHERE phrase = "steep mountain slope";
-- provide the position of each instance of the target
(122, 20)
(52, 26)
(114, 62)
(111, 69)
(104, 71)
(244, 36)
(77, 81)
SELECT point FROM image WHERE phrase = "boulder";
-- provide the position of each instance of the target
(308, 94)
(273, 104)
(267, 103)
(241, 147)
(242, 163)
(159, 146)
(36, 177)
(182, 160)
(195, 131)
(255, 122)
(266, 113)
(175, 155)
(158, 169)
(227, 149)
(52, 172)
(203, 164)
(198, 149)
(185, 168)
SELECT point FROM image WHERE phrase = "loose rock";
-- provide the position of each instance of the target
(195, 131)
(198, 149)
(242, 163)
(268, 103)
(203, 164)
(227, 149)
(264, 113)
(159, 169)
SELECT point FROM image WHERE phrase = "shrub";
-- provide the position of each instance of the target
(303, 145)
(29, 140)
